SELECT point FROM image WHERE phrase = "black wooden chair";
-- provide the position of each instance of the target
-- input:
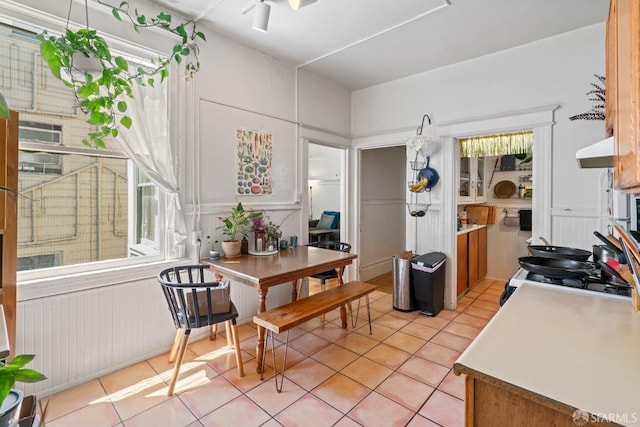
(194, 303)
(335, 246)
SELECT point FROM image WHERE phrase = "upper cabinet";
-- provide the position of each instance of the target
(471, 182)
(623, 90)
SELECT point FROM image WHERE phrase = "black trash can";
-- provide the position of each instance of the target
(403, 299)
(428, 277)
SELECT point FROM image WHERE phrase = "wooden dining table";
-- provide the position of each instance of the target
(288, 265)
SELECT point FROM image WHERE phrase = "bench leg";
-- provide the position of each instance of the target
(354, 322)
(276, 373)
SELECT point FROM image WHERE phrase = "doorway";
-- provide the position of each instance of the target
(326, 189)
(383, 209)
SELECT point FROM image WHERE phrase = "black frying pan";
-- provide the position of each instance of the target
(559, 252)
(557, 268)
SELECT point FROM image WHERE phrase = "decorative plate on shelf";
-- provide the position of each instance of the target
(504, 189)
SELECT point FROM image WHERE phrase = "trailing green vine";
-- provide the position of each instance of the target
(103, 97)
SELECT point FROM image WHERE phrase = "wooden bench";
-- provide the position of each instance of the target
(283, 318)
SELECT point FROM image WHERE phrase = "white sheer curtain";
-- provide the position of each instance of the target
(149, 144)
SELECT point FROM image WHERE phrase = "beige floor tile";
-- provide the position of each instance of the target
(405, 342)
(133, 400)
(485, 305)
(335, 356)
(478, 312)
(309, 373)
(346, 422)
(466, 331)
(378, 332)
(405, 391)
(134, 376)
(439, 354)
(447, 314)
(367, 372)
(309, 343)
(266, 396)
(331, 332)
(309, 411)
(444, 409)
(240, 412)
(376, 409)
(341, 392)
(454, 342)
(420, 421)
(387, 355)
(210, 396)
(391, 321)
(92, 415)
(170, 413)
(357, 343)
(454, 385)
(470, 320)
(434, 322)
(424, 370)
(421, 331)
(72, 399)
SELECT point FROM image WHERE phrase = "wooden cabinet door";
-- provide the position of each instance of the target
(482, 253)
(473, 257)
(611, 72)
(623, 30)
(462, 263)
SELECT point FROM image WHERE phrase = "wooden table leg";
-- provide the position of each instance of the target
(294, 290)
(262, 294)
(343, 308)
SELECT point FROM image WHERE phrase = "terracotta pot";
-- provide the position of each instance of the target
(231, 248)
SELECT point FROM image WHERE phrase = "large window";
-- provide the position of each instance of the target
(77, 205)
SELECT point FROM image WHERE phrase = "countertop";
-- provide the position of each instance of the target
(467, 228)
(578, 350)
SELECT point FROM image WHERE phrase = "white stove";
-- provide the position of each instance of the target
(584, 286)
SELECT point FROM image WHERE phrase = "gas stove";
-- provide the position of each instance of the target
(587, 285)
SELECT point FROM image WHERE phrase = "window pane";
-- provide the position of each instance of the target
(75, 206)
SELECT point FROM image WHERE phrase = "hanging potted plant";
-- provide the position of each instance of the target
(11, 399)
(102, 94)
(235, 226)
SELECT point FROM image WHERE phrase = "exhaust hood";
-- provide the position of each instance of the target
(598, 155)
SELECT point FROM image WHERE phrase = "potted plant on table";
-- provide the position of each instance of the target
(11, 399)
(235, 226)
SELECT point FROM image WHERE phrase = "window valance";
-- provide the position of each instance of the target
(497, 145)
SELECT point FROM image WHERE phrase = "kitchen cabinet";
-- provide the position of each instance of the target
(8, 221)
(462, 263)
(623, 91)
(529, 385)
(471, 257)
(471, 182)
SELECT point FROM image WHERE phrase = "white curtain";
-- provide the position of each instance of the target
(149, 144)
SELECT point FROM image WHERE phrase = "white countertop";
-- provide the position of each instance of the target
(467, 228)
(577, 349)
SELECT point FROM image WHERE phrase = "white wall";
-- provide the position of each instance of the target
(382, 209)
(552, 71)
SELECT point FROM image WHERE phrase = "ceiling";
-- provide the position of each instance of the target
(360, 43)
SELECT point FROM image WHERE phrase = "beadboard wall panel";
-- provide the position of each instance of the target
(83, 335)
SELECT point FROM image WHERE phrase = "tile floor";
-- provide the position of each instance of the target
(401, 375)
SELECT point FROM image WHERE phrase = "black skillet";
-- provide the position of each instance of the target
(559, 252)
(557, 268)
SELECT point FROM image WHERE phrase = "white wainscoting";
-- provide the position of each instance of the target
(82, 335)
(574, 227)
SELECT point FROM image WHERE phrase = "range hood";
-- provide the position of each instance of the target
(598, 155)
